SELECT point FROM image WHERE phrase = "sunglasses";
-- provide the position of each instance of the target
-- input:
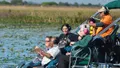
(100, 12)
(47, 41)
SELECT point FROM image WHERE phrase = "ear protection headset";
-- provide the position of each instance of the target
(67, 25)
(84, 28)
(86, 31)
(106, 10)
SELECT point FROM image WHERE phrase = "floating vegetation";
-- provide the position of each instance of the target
(1, 44)
(3, 50)
(5, 59)
(12, 49)
(28, 58)
(7, 36)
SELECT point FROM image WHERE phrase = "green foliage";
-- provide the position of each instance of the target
(64, 4)
(49, 4)
(4, 2)
(48, 16)
(16, 2)
(23, 2)
(76, 4)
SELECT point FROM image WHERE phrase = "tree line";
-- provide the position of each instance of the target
(21, 2)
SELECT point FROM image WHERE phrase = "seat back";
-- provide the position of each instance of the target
(81, 58)
(110, 40)
(113, 34)
(112, 37)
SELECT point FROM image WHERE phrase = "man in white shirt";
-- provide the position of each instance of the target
(49, 58)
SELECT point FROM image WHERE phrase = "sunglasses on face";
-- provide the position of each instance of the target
(47, 41)
(101, 12)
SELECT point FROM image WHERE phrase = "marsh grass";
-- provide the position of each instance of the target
(37, 16)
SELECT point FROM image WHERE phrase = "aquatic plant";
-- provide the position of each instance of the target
(12, 49)
(1, 44)
(3, 50)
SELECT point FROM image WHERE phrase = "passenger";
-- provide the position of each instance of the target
(49, 58)
(82, 31)
(65, 38)
(91, 28)
(63, 61)
(106, 20)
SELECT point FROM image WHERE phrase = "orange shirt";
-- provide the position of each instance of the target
(107, 20)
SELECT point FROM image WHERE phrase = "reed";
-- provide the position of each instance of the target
(36, 15)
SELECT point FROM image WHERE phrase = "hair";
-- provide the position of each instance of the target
(56, 41)
(53, 39)
(67, 25)
(50, 37)
(85, 29)
(92, 19)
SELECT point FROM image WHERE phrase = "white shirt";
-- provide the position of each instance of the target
(54, 51)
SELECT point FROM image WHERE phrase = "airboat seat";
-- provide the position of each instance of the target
(112, 37)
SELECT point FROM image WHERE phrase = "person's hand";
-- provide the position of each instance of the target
(71, 43)
(37, 49)
(92, 24)
(79, 38)
(68, 53)
(93, 35)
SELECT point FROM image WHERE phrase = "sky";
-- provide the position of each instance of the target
(71, 1)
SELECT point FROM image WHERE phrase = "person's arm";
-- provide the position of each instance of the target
(100, 24)
(71, 43)
(57, 40)
(38, 51)
(41, 52)
(54, 51)
(46, 54)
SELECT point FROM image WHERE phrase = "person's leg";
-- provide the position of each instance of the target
(99, 43)
(63, 61)
(63, 51)
(21, 64)
(31, 64)
(68, 48)
(52, 64)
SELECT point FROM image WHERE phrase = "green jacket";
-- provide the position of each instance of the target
(84, 42)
